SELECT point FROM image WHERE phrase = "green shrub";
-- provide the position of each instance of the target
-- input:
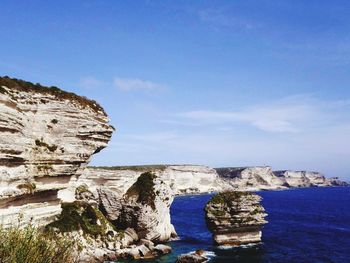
(143, 189)
(30, 245)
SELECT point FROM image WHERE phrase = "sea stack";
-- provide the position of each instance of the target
(235, 218)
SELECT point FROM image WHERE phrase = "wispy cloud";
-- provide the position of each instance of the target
(132, 84)
(292, 114)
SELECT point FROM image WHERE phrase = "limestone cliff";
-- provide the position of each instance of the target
(251, 178)
(264, 178)
(182, 179)
(46, 136)
(235, 218)
(111, 226)
(307, 179)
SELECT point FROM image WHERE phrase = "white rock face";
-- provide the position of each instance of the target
(46, 136)
(252, 178)
(306, 179)
(182, 179)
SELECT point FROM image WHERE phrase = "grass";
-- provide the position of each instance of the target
(30, 245)
(22, 85)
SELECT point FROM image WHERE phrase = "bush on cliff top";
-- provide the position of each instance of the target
(30, 245)
(227, 197)
(143, 189)
(23, 85)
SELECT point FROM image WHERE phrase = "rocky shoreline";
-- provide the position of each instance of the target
(48, 137)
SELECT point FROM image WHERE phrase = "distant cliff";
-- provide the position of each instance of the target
(196, 179)
(182, 179)
(264, 178)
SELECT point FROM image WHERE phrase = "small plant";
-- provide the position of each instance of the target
(41, 143)
(30, 245)
(30, 187)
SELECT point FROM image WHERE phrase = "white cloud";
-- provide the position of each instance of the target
(292, 114)
(130, 84)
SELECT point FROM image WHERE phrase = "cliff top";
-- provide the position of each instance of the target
(22, 85)
(141, 167)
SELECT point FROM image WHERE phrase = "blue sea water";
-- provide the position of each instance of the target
(305, 225)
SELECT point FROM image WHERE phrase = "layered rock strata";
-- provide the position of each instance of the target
(111, 226)
(46, 137)
(307, 179)
(182, 179)
(264, 178)
(251, 178)
(235, 218)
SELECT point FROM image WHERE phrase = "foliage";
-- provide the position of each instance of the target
(30, 245)
(41, 143)
(81, 216)
(143, 189)
(227, 197)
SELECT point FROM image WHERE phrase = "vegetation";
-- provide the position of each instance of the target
(30, 245)
(41, 143)
(227, 197)
(22, 85)
(81, 216)
(30, 187)
(143, 189)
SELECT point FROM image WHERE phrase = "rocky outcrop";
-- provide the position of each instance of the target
(194, 257)
(46, 137)
(182, 179)
(132, 225)
(235, 218)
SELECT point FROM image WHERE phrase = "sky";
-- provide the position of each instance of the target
(218, 83)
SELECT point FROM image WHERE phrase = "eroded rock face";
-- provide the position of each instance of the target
(182, 179)
(308, 179)
(131, 225)
(46, 136)
(147, 208)
(235, 218)
(263, 178)
(252, 178)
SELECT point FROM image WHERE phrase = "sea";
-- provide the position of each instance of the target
(304, 225)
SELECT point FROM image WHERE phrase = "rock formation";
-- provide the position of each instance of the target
(46, 136)
(251, 178)
(235, 218)
(307, 179)
(263, 178)
(194, 257)
(132, 225)
(182, 179)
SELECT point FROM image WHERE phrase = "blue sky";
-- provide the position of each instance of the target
(221, 83)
